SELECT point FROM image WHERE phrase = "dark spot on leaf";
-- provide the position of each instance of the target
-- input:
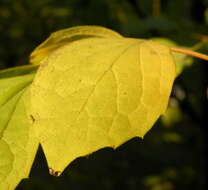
(32, 118)
(54, 173)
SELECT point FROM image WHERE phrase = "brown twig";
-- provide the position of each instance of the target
(156, 5)
(190, 52)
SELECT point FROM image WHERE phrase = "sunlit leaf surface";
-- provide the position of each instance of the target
(17, 143)
(67, 36)
(97, 93)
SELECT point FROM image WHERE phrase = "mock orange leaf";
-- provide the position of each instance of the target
(98, 92)
(66, 36)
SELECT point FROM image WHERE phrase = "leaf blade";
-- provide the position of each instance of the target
(17, 146)
(66, 36)
(86, 121)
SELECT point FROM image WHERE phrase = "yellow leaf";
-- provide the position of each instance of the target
(66, 36)
(98, 92)
(182, 61)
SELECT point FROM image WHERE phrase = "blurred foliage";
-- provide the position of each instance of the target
(172, 155)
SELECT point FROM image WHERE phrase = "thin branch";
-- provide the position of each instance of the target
(190, 52)
(156, 5)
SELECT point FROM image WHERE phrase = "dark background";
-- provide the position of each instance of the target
(172, 154)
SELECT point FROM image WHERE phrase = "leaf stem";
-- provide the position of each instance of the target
(190, 52)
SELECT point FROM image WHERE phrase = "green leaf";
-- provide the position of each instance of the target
(66, 36)
(98, 92)
(17, 144)
(12, 85)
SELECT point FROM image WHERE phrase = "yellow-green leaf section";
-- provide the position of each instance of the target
(17, 143)
(99, 92)
(182, 61)
(18, 71)
(66, 36)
